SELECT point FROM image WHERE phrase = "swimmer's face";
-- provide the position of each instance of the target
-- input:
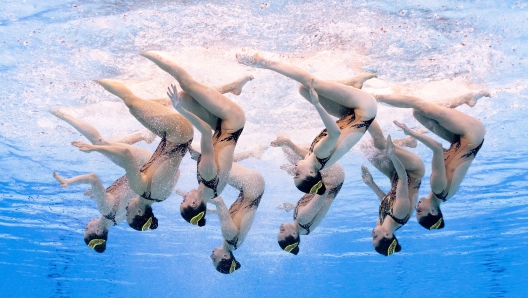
(285, 230)
(424, 207)
(133, 209)
(218, 255)
(190, 199)
(377, 234)
(303, 169)
(92, 227)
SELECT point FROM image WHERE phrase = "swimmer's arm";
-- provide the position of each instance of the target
(229, 229)
(402, 191)
(284, 141)
(98, 191)
(309, 211)
(369, 181)
(326, 145)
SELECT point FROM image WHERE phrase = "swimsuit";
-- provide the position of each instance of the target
(235, 207)
(387, 203)
(306, 199)
(164, 153)
(459, 152)
(115, 189)
(347, 124)
(221, 139)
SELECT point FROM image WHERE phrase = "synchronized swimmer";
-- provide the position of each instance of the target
(151, 177)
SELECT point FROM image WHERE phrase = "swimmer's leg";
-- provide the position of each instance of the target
(456, 122)
(121, 155)
(161, 120)
(136, 137)
(380, 160)
(345, 96)
(90, 132)
(470, 99)
(234, 87)
(232, 115)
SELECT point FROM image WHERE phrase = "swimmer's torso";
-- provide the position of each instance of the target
(161, 169)
(457, 160)
(119, 193)
(387, 203)
(349, 123)
(224, 142)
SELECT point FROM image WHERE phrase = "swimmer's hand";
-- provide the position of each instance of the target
(406, 130)
(287, 206)
(180, 192)
(313, 94)
(390, 147)
(217, 201)
(175, 98)
(85, 147)
(281, 141)
(251, 60)
(290, 169)
(366, 176)
(61, 180)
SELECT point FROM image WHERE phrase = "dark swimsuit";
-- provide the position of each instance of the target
(306, 199)
(113, 188)
(347, 123)
(453, 157)
(165, 151)
(221, 139)
(235, 207)
(387, 203)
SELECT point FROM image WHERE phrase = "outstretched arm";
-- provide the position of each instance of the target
(207, 166)
(309, 211)
(229, 229)
(283, 141)
(326, 145)
(98, 191)
(369, 181)
(402, 191)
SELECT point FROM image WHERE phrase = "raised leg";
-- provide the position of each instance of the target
(84, 128)
(451, 120)
(122, 156)
(161, 120)
(233, 117)
(136, 137)
(343, 95)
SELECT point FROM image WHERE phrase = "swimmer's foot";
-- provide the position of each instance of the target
(239, 84)
(406, 130)
(252, 60)
(85, 147)
(62, 181)
(473, 97)
(147, 136)
(287, 206)
(257, 151)
(409, 141)
(282, 140)
(357, 81)
(59, 113)
(116, 88)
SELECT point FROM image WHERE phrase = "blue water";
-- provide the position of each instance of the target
(52, 52)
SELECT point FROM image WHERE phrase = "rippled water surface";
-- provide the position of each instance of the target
(53, 50)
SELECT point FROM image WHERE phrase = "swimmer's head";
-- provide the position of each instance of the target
(288, 238)
(429, 215)
(306, 178)
(383, 242)
(95, 237)
(193, 209)
(140, 217)
(224, 261)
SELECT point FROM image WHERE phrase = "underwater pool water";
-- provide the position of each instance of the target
(52, 51)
